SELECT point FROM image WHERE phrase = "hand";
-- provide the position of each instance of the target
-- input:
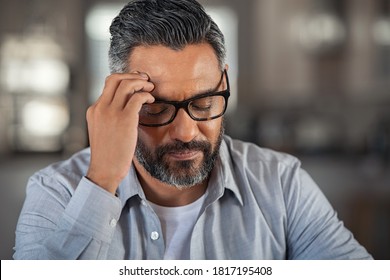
(113, 127)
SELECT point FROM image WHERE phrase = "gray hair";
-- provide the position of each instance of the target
(170, 23)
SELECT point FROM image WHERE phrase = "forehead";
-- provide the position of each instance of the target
(177, 72)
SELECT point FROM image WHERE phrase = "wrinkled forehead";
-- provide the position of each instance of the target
(177, 74)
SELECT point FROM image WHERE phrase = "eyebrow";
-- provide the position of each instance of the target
(200, 93)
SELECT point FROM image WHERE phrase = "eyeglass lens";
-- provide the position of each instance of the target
(200, 109)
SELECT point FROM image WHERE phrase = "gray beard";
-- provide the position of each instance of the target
(180, 174)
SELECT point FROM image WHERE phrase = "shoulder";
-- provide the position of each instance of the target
(251, 155)
(267, 174)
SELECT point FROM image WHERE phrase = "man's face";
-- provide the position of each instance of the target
(183, 152)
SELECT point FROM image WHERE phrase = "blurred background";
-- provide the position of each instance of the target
(309, 77)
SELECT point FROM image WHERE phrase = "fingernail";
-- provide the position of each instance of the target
(144, 75)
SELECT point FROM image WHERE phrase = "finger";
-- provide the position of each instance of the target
(113, 81)
(127, 88)
(136, 101)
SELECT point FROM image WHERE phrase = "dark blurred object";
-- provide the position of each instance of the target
(369, 220)
(379, 141)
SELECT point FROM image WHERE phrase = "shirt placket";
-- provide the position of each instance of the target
(154, 241)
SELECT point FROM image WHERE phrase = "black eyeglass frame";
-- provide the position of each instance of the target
(185, 103)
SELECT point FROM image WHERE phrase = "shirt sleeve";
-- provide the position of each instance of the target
(314, 230)
(61, 222)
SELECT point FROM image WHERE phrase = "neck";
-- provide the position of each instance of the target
(167, 195)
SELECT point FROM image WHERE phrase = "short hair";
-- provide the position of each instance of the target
(170, 23)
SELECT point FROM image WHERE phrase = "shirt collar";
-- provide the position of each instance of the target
(222, 178)
(130, 187)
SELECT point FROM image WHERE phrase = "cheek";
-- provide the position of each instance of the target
(211, 129)
(151, 136)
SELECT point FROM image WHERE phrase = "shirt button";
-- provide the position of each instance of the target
(154, 236)
(143, 202)
(113, 222)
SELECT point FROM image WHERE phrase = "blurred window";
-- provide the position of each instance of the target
(34, 77)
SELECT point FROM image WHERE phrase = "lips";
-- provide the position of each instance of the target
(184, 154)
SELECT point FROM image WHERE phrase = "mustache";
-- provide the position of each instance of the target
(179, 146)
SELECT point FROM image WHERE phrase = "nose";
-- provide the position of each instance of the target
(183, 128)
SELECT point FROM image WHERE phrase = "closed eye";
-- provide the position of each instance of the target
(201, 108)
(154, 109)
(203, 104)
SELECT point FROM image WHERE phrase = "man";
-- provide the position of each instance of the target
(161, 180)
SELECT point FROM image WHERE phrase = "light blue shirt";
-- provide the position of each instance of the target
(260, 204)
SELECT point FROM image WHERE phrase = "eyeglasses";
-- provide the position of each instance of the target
(203, 107)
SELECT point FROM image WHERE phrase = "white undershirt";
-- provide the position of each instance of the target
(177, 224)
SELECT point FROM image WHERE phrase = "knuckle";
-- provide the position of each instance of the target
(109, 79)
(113, 76)
(90, 112)
(137, 96)
(113, 79)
